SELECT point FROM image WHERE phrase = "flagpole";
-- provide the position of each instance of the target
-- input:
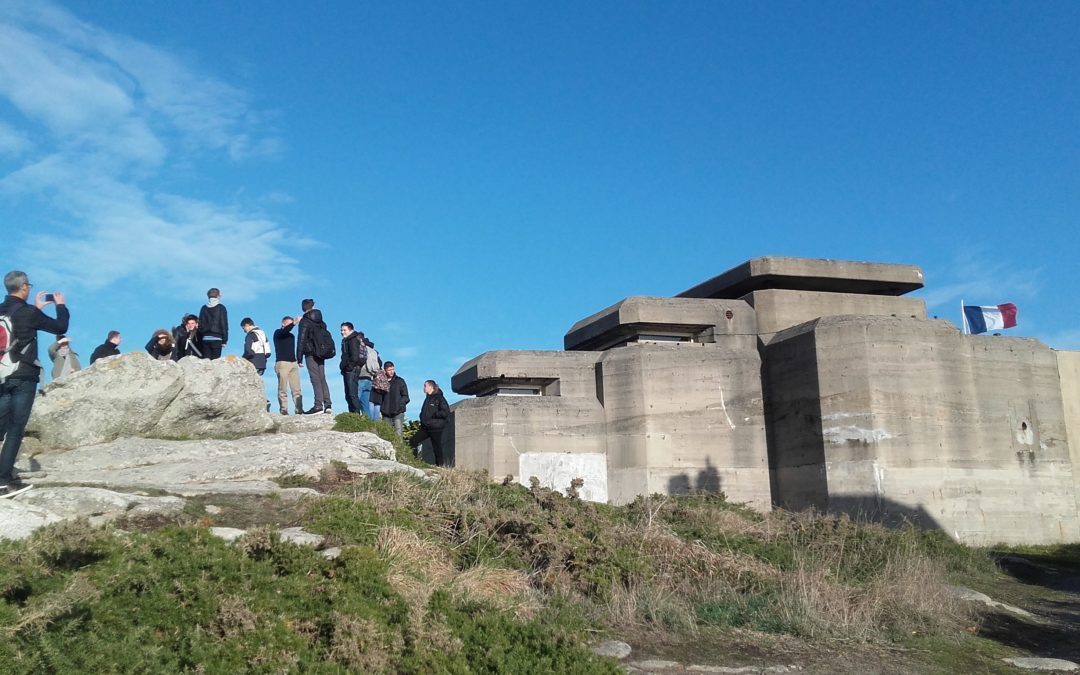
(963, 318)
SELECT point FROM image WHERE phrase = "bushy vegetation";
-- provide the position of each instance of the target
(458, 574)
(354, 422)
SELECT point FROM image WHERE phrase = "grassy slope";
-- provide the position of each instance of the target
(462, 575)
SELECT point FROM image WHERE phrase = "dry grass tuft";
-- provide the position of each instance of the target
(359, 645)
(503, 588)
(411, 556)
(908, 595)
(234, 617)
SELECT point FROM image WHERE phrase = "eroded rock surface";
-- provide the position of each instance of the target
(246, 465)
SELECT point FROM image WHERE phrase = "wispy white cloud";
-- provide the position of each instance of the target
(978, 277)
(100, 118)
(405, 352)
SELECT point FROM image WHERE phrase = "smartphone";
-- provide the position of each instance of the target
(49, 297)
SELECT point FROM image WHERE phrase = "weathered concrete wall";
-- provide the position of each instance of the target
(492, 432)
(571, 373)
(1069, 372)
(641, 315)
(913, 419)
(685, 417)
(778, 309)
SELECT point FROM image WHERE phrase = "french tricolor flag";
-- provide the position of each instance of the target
(982, 319)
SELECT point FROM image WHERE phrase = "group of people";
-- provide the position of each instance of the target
(372, 387)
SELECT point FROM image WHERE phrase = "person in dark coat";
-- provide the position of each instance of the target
(433, 419)
(19, 389)
(311, 321)
(396, 398)
(161, 345)
(111, 347)
(213, 325)
(186, 337)
(353, 356)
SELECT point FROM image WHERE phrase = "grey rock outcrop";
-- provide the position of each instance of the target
(133, 395)
(19, 520)
(246, 465)
(75, 502)
(25, 513)
(615, 649)
(301, 537)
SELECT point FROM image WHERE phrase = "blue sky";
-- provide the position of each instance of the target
(459, 177)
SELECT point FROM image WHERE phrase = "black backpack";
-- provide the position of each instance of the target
(323, 342)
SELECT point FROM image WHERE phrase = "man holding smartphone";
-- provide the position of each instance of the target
(18, 390)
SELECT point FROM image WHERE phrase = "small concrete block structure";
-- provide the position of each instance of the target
(796, 383)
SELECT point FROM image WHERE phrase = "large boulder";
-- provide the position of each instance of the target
(133, 395)
(224, 397)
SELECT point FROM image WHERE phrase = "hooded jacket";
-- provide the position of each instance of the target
(396, 398)
(257, 360)
(26, 321)
(436, 411)
(155, 352)
(214, 322)
(353, 352)
(305, 339)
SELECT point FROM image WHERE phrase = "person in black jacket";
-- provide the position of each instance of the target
(286, 368)
(161, 346)
(213, 325)
(306, 353)
(396, 398)
(18, 390)
(353, 357)
(433, 418)
(111, 347)
(186, 337)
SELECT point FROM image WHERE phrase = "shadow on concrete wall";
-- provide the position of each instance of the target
(793, 432)
(706, 480)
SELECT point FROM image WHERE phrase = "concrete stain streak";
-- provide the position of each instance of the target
(853, 433)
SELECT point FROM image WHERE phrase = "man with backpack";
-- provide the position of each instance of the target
(353, 358)
(314, 346)
(256, 346)
(20, 370)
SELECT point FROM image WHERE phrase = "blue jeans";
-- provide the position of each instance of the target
(16, 400)
(365, 397)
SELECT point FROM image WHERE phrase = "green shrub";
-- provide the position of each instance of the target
(355, 422)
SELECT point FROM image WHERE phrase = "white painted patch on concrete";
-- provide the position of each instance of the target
(555, 470)
(879, 479)
(853, 433)
(723, 406)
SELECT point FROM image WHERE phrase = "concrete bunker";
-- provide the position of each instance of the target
(793, 383)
